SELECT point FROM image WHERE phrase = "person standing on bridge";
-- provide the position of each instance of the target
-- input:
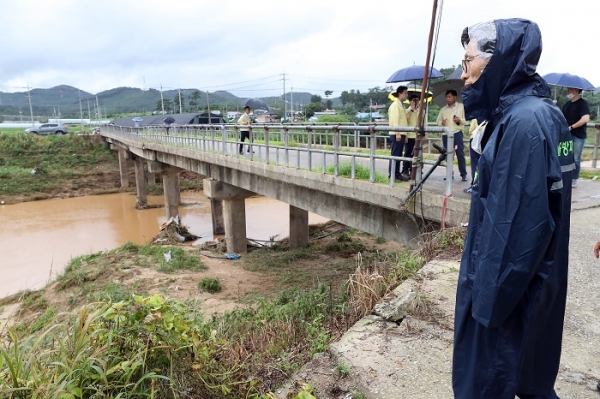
(452, 116)
(412, 114)
(512, 284)
(577, 113)
(245, 131)
(397, 117)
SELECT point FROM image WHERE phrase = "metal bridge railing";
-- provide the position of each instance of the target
(318, 148)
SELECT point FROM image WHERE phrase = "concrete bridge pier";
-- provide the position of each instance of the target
(234, 212)
(124, 164)
(216, 207)
(171, 191)
(170, 178)
(141, 201)
(298, 227)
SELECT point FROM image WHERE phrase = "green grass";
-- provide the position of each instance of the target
(55, 159)
(212, 285)
(360, 172)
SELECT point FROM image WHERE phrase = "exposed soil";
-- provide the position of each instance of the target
(329, 260)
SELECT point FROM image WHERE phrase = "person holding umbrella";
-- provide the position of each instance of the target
(411, 117)
(452, 115)
(245, 131)
(397, 117)
(577, 114)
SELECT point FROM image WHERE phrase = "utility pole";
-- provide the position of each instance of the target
(80, 111)
(89, 113)
(97, 109)
(180, 110)
(284, 105)
(30, 107)
(162, 101)
(208, 106)
(292, 104)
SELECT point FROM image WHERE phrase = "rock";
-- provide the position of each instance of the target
(397, 308)
(575, 378)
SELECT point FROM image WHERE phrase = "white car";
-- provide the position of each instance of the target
(49, 128)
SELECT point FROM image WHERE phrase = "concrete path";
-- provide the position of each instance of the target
(413, 359)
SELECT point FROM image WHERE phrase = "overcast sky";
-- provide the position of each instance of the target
(245, 47)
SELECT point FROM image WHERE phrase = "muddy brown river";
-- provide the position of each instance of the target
(37, 239)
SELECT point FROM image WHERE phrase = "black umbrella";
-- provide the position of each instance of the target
(255, 103)
(452, 82)
(168, 120)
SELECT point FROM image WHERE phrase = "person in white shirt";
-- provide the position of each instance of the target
(245, 131)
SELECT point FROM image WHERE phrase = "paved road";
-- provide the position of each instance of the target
(413, 359)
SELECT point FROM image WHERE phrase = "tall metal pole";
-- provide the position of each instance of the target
(284, 105)
(208, 106)
(89, 114)
(292, 104)
(162, 101)
(80, 111)
(98, 109)
(417, 153)
(30, 107)
(180, 110)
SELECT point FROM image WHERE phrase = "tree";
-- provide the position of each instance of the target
(168, 105)
(345, 97)
(194, 97)
(178, 97)
(329, 104)
(378, 95)
(315, 98)
(313, 107)
(346, 110)
(328, 93)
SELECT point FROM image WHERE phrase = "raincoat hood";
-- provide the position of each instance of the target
(510, 73)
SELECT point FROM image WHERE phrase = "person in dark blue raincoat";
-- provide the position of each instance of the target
(512, 283)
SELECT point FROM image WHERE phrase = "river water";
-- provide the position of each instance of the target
(37, 239)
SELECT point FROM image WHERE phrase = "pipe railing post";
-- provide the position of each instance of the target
(372, 151)
(266, 144)
(449, 161)
(336, 149)
(309, 146)
(596, 144)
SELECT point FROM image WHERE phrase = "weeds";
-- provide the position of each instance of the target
(211, 285)
(33, 165)
(343, 369)
(360, 172)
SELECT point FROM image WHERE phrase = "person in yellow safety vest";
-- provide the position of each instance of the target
(474, 155)
(412, 113)
(397, 117)
(452, 116)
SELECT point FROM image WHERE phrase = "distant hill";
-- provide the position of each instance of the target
(125, 100)
(120, 100)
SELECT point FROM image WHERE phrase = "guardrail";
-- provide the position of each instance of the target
(313, 147)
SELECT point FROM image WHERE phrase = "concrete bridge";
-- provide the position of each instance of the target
(300, 165)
